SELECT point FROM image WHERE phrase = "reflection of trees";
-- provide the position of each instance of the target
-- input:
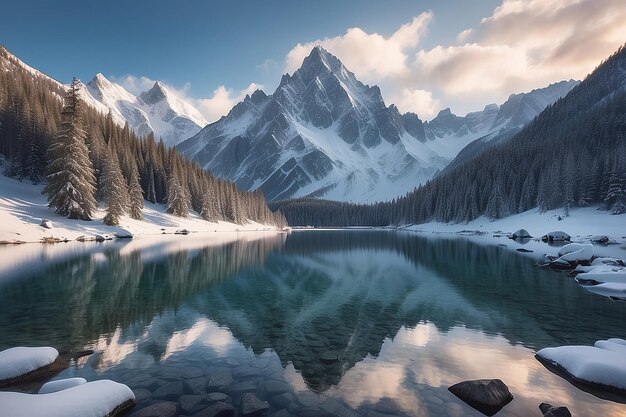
(80, 299)
(345, 292)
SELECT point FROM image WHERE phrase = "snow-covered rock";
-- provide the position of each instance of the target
(61, 384)
(603, 364)
(557, 236)
(599, 239)
(18, 361)
(603, 270)
(612, 290)
(576, 252)
(94, 399)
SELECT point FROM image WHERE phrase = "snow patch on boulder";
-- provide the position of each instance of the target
(93, 399)
(557, 236)
(61, 384)
(602, 364)
(20, 360)
(576, 252)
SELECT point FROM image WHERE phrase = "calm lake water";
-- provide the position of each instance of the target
(316, 322)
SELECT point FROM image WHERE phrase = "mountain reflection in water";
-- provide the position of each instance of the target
(348, 316)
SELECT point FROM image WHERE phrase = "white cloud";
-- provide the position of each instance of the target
(420, 102)
(523, 44)
(222, 101)
(526, 44)
(370, 55)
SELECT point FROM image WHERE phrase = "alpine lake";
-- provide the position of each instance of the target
(313, 323)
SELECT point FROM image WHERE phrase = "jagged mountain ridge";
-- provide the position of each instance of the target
(323, 133)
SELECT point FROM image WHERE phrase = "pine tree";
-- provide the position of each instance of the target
(135, 194)
(177, 200)
(115, 190)
(495, 205)
(71, 181)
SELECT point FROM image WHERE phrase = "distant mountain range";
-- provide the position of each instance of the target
(323, 133)
(157, 110)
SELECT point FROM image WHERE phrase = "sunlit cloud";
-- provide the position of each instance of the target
(522, 45)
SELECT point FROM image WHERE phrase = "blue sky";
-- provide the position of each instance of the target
(198, 47)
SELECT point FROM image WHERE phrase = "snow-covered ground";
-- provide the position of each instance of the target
(581, 225)
(22, 208)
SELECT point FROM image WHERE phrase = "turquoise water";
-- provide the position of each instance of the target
(315, 323)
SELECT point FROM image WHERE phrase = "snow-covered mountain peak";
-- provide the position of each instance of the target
(323, 133)
(107, 92)
(155, 94)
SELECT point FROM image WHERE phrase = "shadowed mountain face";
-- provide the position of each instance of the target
(322, 301)
(323, 133)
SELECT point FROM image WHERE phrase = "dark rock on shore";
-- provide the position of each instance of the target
(486, 395)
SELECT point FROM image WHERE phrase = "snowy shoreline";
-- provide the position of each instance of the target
(581, 225)
(23, 207)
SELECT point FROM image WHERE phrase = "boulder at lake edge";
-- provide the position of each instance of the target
(521, 234)
(486, 395)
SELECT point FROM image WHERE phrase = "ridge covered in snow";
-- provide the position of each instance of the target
(323, 133)
(157, 110)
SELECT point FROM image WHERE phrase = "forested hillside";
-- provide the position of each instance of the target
(572, 154)
(126, 168)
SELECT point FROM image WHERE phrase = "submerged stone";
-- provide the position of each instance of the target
(252, 406)
(164, 409)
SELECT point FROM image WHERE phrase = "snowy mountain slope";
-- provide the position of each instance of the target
(156, 111)
(325, 134)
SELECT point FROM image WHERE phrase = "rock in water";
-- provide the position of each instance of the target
(549, 410)
(521, 234)
(252, 406)
(600, 239)
(557, 236)
(486, 395)
(164, 409)
(218, 409)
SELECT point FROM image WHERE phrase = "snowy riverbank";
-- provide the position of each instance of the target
(581, 225)
(22, 208)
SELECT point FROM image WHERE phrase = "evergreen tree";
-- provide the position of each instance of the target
(135, 194)
(177, 201)
(115, 189)
(71, 181)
